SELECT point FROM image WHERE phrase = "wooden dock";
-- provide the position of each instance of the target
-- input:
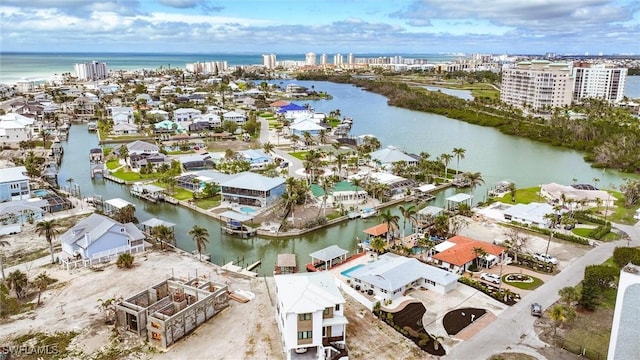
(230, 267)
(254, 265)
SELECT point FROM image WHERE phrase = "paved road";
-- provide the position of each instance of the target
(513, 330)
(295, 164)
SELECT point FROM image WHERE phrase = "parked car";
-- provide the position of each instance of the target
(490, 278)
(545, 258)
(536, 310)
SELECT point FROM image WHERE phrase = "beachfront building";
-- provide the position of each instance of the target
(99, 236)
(599, 81)
(582, 195)
(537, 85)
(625, 331)
(252, 189)
(14, 184)
(91, 71)
(269, 61)
(310, 315)
(458, 254)
(171, 309)
(391, 275)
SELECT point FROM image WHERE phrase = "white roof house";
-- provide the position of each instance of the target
(186, 114)
(306, 125)
(310, 309)
(555, 192)
(14, 184)
(530, 214)
(391, 275)
(142, 147)
(252, 189)
(625, 332)
(235, 117)
(389, 155)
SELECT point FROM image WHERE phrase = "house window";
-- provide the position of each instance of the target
(305, 335)
(304, 317)
(337, 307)
(326, 311)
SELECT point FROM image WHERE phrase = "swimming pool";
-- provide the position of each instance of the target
(417, 250)
(350, 270)
(40, 192)
(247, 210)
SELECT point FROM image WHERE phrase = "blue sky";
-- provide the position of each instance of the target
(322, 26)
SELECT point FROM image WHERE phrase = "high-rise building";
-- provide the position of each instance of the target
(601, 81)
(91, 71)
(351, 59)
(338, 59)
(269, 61)
(310, 59)
(323, 59)
(537, 85)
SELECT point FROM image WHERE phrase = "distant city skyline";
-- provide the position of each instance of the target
(330, 26)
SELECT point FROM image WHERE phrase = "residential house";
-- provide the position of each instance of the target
(98, 235)
(257, 158)
(236, 117)
(580, 195)
(305, 126)
(391, 275)
(624, 327)
(385, 158)
(120, 114)
(310, 315)
(186, 114)
(343, 192)
(125, 129)
(532, 214)
(197, 162)
(168, 126)
(197, 180)
(252, 189)
(158, 115)
(458, 254)
(14, 184)
(15, 128)
(141, 147)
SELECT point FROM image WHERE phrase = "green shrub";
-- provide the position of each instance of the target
(624, 255)
(125, 261)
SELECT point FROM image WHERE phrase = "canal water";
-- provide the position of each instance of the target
(495, 155)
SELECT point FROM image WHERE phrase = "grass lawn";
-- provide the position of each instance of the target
(180, 152)
(522, 285)
(298, 154)
(208, 203)
(113, 164)
(182, 194)
(133, 176)
(591, 330)
(582, 232)
(523, 196)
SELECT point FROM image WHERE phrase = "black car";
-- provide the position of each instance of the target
(536, 310)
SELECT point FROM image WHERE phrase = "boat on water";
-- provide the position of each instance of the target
(500, 189)
(368, 212)
(92, 126)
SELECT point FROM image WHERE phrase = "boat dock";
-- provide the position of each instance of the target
(230, 267)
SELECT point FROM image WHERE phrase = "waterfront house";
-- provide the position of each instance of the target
(168, 126)
(125, 129)
(158, 115)
(197, 162)
(583, 194)
(171, 309)
(304, 126)
(310, 315)
(385, 158)
(458, 254)
(14, 184)
(196, 181)
(343, 192)
(98, 235)
(16, 213)
(120, 114)
(252, 189)
(140, 147)
(391, 275)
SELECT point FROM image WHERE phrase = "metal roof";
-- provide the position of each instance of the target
(329, 253)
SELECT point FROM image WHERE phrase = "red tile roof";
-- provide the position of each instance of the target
(462, 253)
(279, 103)
(377, 230)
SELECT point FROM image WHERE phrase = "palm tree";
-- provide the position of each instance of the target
(446, 159)
(164, 234)
(378, 244)
(123, 152)
(201, 237)
(18, 281)
(474, 179)
(512, 191)
(595, 182)
(41, 282)
(340, 159)
(479, 253)
(2, 244)
(357, 183)
(48, 229)
(268, 147)
(408, 213)
(322, 136)
(559, 315)
(391, 221)
(459, 154)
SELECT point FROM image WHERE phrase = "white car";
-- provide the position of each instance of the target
(545, 258)
(493, 278)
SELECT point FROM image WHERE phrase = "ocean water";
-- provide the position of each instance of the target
(40, 66)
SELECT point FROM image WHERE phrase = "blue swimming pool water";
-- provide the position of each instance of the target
(40, 192)
(350, 270)
(247, 210)
(416, 250)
